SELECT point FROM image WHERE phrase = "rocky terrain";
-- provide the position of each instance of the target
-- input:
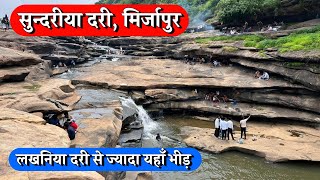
(153, 72)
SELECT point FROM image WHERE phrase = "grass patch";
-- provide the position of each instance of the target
(229, 49)
(34, 87)
(303, 40)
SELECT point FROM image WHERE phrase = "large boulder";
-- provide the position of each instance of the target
(21, 129)
(11, 57)
(49, 95)
(102, 132)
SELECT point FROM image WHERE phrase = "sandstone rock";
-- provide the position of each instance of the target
(268, 143)
(302, 76)
(141, 74)
(298, 101)
(20, 129)
(102, 132)
(160, 95)
(49, 95)
(13, 74)
(11, 57)
(258, 111)
(59, 70)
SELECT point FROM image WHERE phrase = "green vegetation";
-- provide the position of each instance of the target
(197, 9)
(34, 87)
(231, 11)
(229, 49)
(305, 40)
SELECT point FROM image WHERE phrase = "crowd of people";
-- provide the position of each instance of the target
(205, 59)
(258, 27)
(5, 24)
(65, 121)
(224, 128)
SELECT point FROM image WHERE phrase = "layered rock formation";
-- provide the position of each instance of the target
(275, 142)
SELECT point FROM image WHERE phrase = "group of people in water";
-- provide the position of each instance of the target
(224, 128)
(65, 121)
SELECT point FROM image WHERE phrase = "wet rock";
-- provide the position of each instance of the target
(60, 70)
(132, 136)
(61, 58)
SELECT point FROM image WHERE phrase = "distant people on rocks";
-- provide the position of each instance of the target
(243, 127)
(257, 74)
(5, 22)
(216, 63)
(265, 76)
(245, 26)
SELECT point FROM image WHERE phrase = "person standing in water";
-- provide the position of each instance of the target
(243, 127)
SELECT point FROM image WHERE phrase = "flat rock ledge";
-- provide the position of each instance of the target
(275, 143)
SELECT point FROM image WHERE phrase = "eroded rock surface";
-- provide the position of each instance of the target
(40, 96)
(275, 142)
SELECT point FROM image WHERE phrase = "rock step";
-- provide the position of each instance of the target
(257, 111)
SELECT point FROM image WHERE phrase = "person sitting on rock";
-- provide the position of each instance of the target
(243, 127)
(265, 76)
(53, 119)
(71, 131)
(216, 63)
(257, 74)
(73, 124)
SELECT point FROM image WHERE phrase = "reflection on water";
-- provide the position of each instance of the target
(230, 165)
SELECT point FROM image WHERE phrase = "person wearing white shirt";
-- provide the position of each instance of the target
(265, 76)
(217, 127)
(224, 128)
(243, 127)
(230, 129)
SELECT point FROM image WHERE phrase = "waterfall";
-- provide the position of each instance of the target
(148, 124)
